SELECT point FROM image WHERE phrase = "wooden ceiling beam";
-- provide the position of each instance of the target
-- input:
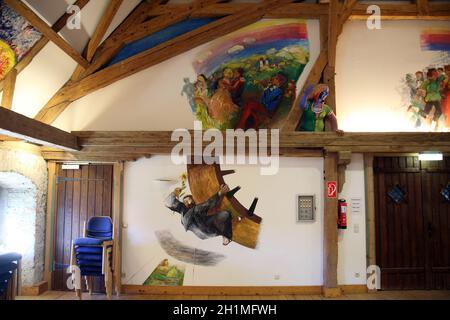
(75, 90)
(102, 27)
(46, 30)
(121, 145)
(40, 44)
(422, 7)
(8, 89)
(15, 125)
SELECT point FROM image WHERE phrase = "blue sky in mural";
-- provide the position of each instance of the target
(159, 37)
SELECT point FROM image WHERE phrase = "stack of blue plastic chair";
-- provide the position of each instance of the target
(9, 263)
(91, 252)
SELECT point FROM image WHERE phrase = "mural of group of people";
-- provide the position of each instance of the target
(429, 89)
(248, 78)
(430, 97)
(17, 37)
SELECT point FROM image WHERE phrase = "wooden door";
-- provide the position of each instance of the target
(80, 195)
(435, 177)
(411, 220)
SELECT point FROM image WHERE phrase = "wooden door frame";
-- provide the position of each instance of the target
(116, 214)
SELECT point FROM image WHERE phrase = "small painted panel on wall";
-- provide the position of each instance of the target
(427, 90)
(305, 208)
(247, 79)
(17, 37)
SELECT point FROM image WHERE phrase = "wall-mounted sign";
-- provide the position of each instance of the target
(331, 189)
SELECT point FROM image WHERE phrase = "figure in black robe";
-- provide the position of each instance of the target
(194, 217)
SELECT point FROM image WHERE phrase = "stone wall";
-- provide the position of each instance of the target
(26, 201)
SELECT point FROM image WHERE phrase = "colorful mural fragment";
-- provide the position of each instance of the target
(429, 88)
(17, 37)
(166, 274)
(248, 78)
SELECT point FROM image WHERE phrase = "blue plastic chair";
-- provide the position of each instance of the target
(10, 274)
(93, 253)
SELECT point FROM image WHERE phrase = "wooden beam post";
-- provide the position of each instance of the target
(18, 126)
(49, 220)
(422, 7)
(8, 89)
(117, 221)
(330, 231)
(46, 30)
(370, 209)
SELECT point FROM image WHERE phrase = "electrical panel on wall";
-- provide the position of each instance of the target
(306, 208)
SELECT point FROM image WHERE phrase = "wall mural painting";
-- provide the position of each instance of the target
(17, 37)
(212, 210)
(428, 89)
(248, 78)
(166, 274)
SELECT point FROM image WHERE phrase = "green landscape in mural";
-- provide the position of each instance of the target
(166, 274)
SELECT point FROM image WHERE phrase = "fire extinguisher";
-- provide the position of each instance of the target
(342, 214)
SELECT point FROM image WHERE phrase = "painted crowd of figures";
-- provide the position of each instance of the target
(224, 102)
(430, 97)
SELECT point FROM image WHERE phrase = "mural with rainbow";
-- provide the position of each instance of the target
(247, 79)
(429, 87)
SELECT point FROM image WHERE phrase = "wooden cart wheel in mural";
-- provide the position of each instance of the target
(204, 182)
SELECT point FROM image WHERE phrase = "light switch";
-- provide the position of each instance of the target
(356, 228)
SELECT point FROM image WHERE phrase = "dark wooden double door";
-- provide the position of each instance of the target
(412, 223)
(80, 195)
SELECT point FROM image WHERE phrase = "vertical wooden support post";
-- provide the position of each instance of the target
(49, 227)
(370, 209)
(329, 72)
(330, 231)
(8, 89)
(117, 221)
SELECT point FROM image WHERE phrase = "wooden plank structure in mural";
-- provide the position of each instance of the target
(204, 181)
(149, 17)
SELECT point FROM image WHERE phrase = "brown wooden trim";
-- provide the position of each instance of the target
(221, 290)
(18, 126)
(35, 290)
(236, 290)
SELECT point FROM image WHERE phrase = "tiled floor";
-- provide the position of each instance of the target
(384, 295)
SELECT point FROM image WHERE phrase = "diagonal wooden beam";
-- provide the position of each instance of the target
(40, 44)
(102, 27)
(75, 90)
(18, 126)
(314, 76)
(46, 30)
(8, 90)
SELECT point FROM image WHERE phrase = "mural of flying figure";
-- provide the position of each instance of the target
(194, 217)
